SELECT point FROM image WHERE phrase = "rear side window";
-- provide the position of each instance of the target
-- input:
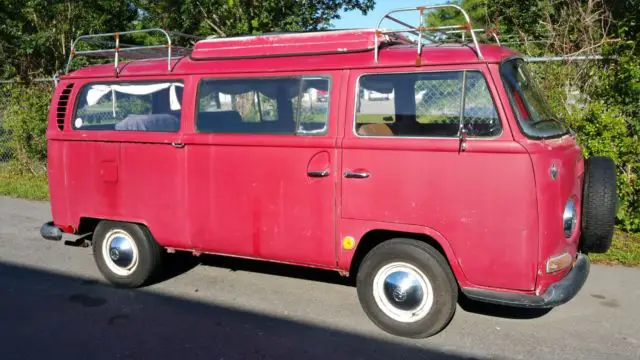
(129, 106)
(291, 105)
(432, 104)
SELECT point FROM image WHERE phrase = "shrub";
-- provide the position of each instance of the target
(600, 101)
(605, 131)
(24, 125)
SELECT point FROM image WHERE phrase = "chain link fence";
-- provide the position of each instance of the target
(446, 103)
(5, 150)
(439, 100)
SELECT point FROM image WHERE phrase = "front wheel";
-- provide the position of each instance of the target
(126, 254)
(407, 288)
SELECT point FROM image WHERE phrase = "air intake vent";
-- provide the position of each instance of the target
(63, 101)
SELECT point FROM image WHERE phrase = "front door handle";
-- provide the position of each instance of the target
(356, 174)
(177, 145)
(317, 174)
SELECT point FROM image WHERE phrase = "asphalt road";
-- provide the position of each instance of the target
(54, 305)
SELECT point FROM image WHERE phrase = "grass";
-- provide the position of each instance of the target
(375, 119)
(23, 186)
(625, 250)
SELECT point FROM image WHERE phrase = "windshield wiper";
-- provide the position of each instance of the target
(554, 120)
(548, 120)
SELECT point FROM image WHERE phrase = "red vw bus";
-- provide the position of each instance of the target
(456, 178)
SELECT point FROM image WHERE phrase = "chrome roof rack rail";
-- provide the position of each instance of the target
(110, 46)
(422, 28)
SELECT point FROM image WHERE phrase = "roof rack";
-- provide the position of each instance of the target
(110, 46)
(422, 28)
(488, 32)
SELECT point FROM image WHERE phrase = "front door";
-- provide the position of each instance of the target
(404, 163)
(261, 167)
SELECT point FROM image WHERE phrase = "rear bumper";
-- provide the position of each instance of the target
(557, 294)
(51, 232)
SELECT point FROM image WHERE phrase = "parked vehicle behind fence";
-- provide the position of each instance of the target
(457, 178)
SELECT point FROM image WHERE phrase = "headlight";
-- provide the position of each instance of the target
(569, 218)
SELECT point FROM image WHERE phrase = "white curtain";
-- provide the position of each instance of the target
(96, 92)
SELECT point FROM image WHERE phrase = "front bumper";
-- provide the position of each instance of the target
(51, 232)
(557, 294)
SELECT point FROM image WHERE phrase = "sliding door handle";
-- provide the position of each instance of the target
(356, 174)
(317, 174)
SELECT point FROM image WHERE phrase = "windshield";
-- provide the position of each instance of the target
(534, 114)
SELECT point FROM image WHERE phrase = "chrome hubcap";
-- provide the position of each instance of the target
(403, 292)
(120, 252)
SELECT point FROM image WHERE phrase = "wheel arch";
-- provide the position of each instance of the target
(377, 236)
(88, 224)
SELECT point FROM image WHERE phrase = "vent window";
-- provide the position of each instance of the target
(63, 102)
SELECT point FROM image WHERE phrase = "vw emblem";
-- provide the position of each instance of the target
(115, 254)
(399, 295)
(553, 171)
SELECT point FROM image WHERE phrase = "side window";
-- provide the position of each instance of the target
(129, 106)
(376, 107)
(438, 97)
(291, 105)
(426, 105)
(480, 114)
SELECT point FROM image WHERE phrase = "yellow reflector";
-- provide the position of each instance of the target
(348, 242)
(559, 262)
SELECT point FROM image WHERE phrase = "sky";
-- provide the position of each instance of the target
(355, 19)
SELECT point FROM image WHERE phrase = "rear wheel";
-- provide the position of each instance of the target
(126, 254)
(407, 289)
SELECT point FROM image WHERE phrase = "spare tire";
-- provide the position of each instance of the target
(599, 204)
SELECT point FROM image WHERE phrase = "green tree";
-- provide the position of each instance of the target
(239, 17)
(476, 9)
(35, 34)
